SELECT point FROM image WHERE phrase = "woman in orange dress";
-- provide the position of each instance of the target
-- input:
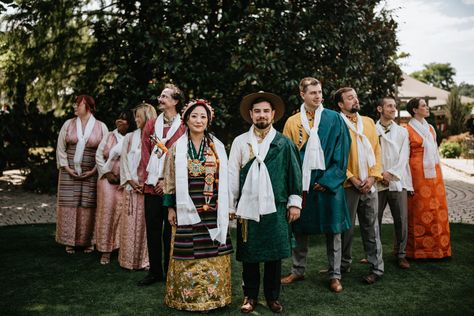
(428, 225)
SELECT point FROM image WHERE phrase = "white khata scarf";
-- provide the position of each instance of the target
(392, 152)
(257, 196)
(134, 155)
(115, 151)
(430, 149)
(156, 162)
(82, 138)
(314, 154)
(185, 209)
(365, 152)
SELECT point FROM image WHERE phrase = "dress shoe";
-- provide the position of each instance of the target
(403, 263)
(248, 305)
(149, 280)
(275, 306)
(335, 285)
(291, 278)
(371, 278)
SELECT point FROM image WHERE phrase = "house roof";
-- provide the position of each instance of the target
(414, 88)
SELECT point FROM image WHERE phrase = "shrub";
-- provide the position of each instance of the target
(450, 149)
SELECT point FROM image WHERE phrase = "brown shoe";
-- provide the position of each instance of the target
(371, 278)
(275, 306)
(248, 305)
(335, 285)
(403, 263)
(364, 261)
(291, 278)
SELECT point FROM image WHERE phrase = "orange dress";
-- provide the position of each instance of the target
(428, 225)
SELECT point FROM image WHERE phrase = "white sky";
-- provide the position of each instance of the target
(436, 31)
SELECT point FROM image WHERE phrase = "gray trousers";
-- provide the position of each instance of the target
(366, 207)
(333, 250)
(398, 207)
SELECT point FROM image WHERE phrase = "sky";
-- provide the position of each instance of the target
(436, 31)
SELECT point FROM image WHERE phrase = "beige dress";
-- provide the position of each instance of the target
(133, 253)
(107, 219)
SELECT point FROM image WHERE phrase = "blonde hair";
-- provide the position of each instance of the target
(147, 109)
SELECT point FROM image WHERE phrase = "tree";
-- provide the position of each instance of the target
(437, 74)
(466, 89)
(123, 52)
(458, 112)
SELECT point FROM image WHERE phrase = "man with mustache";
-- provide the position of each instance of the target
(167, 128)
(323, 140)
(265, 195)
(364, 168)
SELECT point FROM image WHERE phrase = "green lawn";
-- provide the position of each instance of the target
(37, 277)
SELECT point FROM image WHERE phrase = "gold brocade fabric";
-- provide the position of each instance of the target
(198, 284)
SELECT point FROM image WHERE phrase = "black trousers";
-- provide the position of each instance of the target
(271, 279)
(158, 234)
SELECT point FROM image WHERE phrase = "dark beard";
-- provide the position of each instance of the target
(262, 125)
(354, 110)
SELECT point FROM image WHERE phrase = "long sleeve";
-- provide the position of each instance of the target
(61, 155)
(99, 158)
(375, 171)
(169, 174)
(234, 165)
(399, 169)
(295, 186)
(125, 174)
(336, 172)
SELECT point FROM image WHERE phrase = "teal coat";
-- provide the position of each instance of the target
(327, 212)
(269, 239)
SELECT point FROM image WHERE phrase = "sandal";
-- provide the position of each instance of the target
(89, 249)
(105, 259)
(70, 250)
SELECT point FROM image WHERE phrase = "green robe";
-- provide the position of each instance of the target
(327, 212)
(269, 239)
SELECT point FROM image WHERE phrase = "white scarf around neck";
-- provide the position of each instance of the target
(314, 154)
(391, 151)
(82, 138)
(257, 196)
(156, 162)
(115, 151)
(134, 155)
(430, 148)
(365, 152)
(185, 209)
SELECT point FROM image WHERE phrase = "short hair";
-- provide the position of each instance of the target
(127, 115)
(308, 81)
(381, 101)
(338, 94)
(147, 109)
(413, 104)
(261, 99)
(177, 95)
(90, 102)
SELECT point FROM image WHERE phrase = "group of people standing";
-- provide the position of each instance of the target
(163, 192)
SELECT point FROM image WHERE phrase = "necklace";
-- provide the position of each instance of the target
(196, 159)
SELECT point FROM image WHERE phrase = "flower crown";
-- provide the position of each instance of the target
(203, 102)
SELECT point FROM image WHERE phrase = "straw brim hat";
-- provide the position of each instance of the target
(248, 100)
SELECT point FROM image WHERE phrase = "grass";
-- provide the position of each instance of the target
(38, 278)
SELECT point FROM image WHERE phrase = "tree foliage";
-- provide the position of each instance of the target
(466, 89)
(438, 74)
(458, 112)
(123, 52)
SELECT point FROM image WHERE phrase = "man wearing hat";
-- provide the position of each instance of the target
(323, 140)
(265, 195)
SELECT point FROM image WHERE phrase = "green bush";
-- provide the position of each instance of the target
(450, 149)
(43, 175)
